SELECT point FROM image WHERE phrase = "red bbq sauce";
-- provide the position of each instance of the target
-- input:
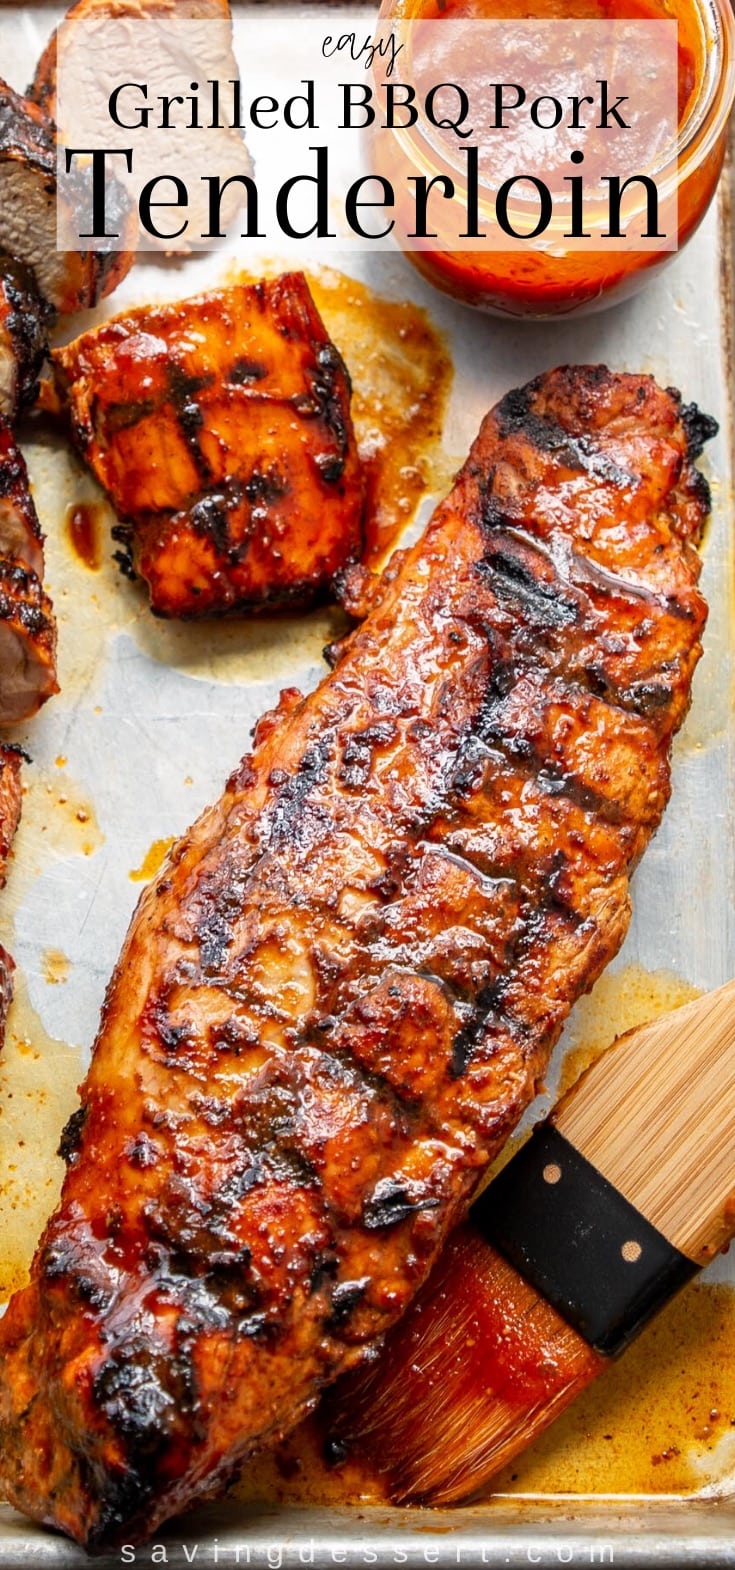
(83, 533)
(535, 282)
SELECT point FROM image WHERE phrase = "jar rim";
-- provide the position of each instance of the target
(708, 117)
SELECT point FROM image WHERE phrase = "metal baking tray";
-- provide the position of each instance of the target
(150, 720)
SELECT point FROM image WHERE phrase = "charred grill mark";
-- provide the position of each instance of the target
(123, 534)
(543, 603)
(175, 1039)
(233, 1036)
(195, 1228)
(264, 487)
(557, 782)
(329, 406)
(123, 416)
(324, 1269)
(290, 821)
(491, 514)
(59, 1260)
(582, 452)
(215, 934)
(244, 371)
(124, 1499)
(700, 428)
(645, 698)
(22, 599)
(359, 750)
(11, 475)
(209, 518)
(26, 320)
(493, 744)
(563, 614)
(470, 1034)
(345, 1297)
(144, 1393)
(71, 1135)
(392, 1201)
(550, 606)
(61, 1269)
(490, 1010)
(24, 133)
(700, 492)
(183, 389)
(516, 417)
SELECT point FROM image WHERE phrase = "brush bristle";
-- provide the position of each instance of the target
(477, 1367)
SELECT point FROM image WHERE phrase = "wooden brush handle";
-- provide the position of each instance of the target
(656, 1116)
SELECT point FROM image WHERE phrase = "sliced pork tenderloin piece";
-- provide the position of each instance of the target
(27, 644)
(67, 280)
(21, 539)
(27, 627)
(11, 761)
(100, 46)
(24, 317)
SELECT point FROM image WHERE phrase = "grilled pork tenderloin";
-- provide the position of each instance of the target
(343, 987)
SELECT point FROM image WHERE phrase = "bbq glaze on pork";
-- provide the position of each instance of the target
(340, 992)
(220, 428)
(27, 624)
(23, 320)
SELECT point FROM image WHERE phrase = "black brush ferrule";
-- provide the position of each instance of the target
(579, 1242)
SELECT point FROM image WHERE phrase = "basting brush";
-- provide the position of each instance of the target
(613, 1204)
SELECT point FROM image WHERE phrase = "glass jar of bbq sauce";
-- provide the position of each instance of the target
(545, 280)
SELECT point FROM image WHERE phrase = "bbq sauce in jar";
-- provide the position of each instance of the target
(546, 281)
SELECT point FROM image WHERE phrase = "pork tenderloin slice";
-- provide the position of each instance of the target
(23, 320)
(21, 538)
(27, 644)
(67, 280)
(97, 37)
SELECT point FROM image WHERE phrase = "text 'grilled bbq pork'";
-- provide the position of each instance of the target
(23, 320)
(220, 428)
(27, 625)
(339, 994)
